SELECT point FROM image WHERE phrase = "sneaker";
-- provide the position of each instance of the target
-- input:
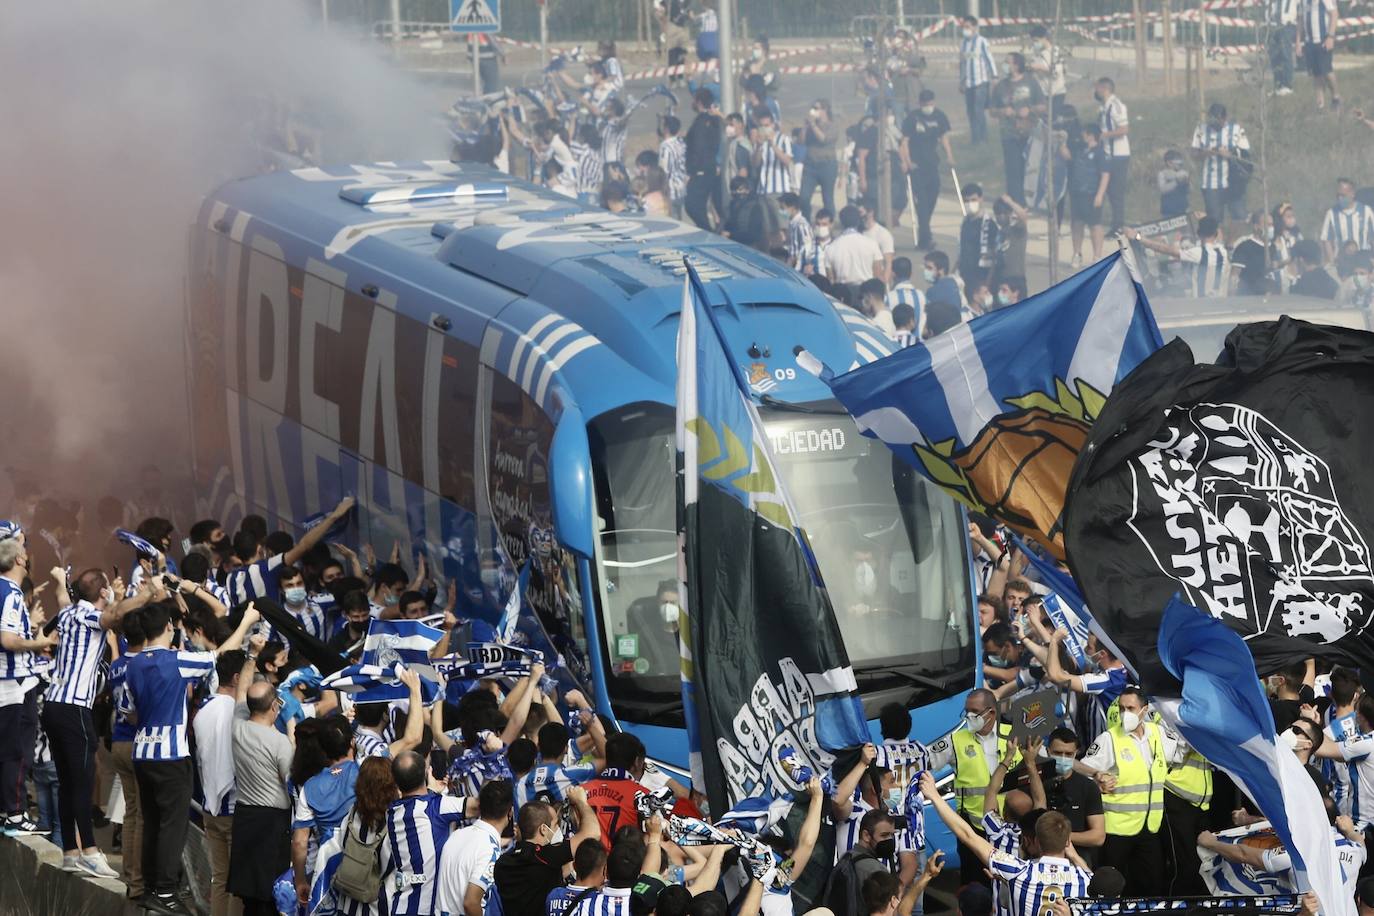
(96, 864)
(21, 825)
(71, 863)
(169, 904)
(1283, 90)
(1077, 261)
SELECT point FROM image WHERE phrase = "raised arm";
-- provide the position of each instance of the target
(436, 726)
(1037, 785)
(588, 827)
(843, 798)
(521, 710)
(1232, 852)
(235, 640)
(934, 865)
(1054, 670)
(962, 830)
(811, 827)
(415, 716)
(214, 604)
(250, 661)
(316, 535)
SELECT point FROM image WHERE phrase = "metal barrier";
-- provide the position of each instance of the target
(383, 30)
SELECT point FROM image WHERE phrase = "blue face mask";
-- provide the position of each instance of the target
(294, 596)
(894, 798)
(1063, 766)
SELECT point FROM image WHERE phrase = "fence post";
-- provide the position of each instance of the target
(1141, 65)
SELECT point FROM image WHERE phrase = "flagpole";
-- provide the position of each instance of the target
(957, 192)
(911, 206)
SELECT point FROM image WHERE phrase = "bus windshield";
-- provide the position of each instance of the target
(891, 548)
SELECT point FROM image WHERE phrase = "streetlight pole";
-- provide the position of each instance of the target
(395, 20)
(727, 56)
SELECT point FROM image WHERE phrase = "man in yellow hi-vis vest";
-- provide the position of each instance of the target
(1130, 762)
(974, 749)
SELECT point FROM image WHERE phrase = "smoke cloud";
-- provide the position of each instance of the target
(117, 118)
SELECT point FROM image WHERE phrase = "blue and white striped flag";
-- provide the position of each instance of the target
(1068, 619)
(143, 547)
(376, 684)
(1224, 715)
(406, 642)
(996, 410)
(9, 529)
(756, 815)
(1226, 878)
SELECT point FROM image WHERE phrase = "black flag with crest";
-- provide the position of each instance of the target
(1246, 486)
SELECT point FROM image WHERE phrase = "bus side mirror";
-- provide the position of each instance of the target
(570, 480)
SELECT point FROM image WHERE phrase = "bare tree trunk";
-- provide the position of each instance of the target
(1140, 62)
(1168, 26)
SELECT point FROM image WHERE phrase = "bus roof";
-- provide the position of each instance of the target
(562, 298)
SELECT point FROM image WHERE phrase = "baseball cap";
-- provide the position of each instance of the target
(644, 895)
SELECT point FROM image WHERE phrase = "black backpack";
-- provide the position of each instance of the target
(843, 893)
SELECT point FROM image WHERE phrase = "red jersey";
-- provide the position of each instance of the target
(613, 800)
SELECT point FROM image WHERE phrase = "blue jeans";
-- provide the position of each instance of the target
(1282, 49)
(1218, 202)
(976, 103)
(819, 175)
(45, 787)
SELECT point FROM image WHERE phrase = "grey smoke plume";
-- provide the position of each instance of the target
(116, 119)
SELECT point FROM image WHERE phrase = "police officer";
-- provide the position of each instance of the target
(1130, 762)
(974, 750)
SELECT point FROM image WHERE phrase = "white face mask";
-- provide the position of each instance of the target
(822, 232)
(1130, 720)
(669, 612)
(968, 33)
(1289, 738)
(865, 579)
(557, 836)
(928, 274)
(107, 595)
(973, 206)
(974, 721)
(928, 109)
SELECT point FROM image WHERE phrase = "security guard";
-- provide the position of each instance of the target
(974, 749)
(1187, 799)
(1130, 762)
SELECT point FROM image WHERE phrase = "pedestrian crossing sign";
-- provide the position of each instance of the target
(475, 15)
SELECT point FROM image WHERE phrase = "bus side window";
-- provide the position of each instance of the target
(457, 413)
(521, 508)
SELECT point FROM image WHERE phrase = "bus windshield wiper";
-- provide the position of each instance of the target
(905, 672)
(767, 400)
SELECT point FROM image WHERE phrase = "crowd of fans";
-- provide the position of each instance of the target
(754, 174)
(190, 682)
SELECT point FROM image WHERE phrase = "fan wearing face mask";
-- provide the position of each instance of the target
(527, 872)
(1075, 796)
(871, 786)
(974, 750)
(1130, 762)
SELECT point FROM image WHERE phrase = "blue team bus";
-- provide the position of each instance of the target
(489, 367)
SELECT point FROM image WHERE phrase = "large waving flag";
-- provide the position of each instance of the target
(763, 660)
(1225, 716)
(1245, 487)
(995, 411)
